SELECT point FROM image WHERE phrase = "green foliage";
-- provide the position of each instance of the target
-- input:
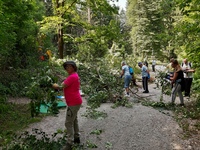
(94, 114)
(155, 104)
(13, 117)
(89, 144)
(122, 102)
(108, 145)
(188, 29)
(97, 132)
(27, 141)
(88, 28)
(163, 83)
(19, 32)
(191, 111)
(18, 43)
(151, 27)
(3, 106)
(100, 82)
(196, 84)
(96, 99)
(40, 91)
(14, 81)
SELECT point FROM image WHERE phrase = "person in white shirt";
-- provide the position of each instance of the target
(188, 76)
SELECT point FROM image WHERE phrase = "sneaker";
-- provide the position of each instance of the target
(77, 140)
(145, 92)
(127, 95)
(182, 105)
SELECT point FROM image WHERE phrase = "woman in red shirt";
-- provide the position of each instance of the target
(71, 87)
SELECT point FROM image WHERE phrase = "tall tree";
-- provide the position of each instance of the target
(150, 21)
(79, 31)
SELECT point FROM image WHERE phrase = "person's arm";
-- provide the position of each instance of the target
(190, 70)
(146, 69)
(59, 87)
(173, 79)
(122, 73)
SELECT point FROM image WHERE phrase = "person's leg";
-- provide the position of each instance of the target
(153, 68)
(127, 91)
(186, 86)
(180, 94)
(71, 116)
(174, 92)
(127, 81)
(189, 85)
(76, 129)
(143, 83)
(146, 85)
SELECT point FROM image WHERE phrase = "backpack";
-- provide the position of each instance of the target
(131, 70)
(148, 76)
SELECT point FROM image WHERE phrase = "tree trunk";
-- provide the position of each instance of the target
(60, 31)
(60, 42)
(89, 15)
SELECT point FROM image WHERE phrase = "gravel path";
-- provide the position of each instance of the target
(136, 128)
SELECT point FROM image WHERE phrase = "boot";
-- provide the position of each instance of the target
(77, 140)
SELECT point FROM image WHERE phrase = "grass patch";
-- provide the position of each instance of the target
(38, 140)
(13, 119)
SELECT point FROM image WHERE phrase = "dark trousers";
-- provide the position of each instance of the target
(153, 68)
(188, 83)
(145, 84)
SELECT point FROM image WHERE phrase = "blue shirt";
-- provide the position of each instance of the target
(126, 70)
(144, 71)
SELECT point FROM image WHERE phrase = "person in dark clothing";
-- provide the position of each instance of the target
(145, 72)
(153, 65)
(178, 83)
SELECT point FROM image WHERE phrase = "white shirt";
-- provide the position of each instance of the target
(187, 74)
(153, 62)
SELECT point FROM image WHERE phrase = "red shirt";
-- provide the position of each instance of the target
(71, 92)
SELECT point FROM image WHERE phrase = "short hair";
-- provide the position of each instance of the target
(123, 63)
(140, 63)
(175, 62)
(72, 63)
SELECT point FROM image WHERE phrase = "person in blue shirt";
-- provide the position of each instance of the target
(145, 73)
(127, 77)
